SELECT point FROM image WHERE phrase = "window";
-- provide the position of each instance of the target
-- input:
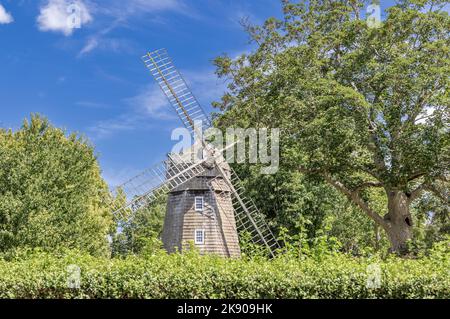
(199, 236)
(199, 203)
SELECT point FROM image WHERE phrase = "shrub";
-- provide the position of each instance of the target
(36, 274)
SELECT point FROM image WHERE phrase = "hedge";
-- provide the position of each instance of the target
(45, 275)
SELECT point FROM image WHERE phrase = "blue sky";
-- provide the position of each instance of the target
(91, 80)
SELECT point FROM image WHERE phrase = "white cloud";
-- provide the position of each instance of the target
(148, 104)
(124, 9)
(205, 85)
(97, 40)
(152, 103)
(5, 17)
(108, 44)
(91, 44)
(154, 5)
(63, 16)
(106, 128)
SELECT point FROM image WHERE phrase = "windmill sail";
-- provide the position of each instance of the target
(250, 221)
(176, 90)
(153, 182)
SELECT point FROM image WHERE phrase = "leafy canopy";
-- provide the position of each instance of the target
(360, 107)
(51, 191)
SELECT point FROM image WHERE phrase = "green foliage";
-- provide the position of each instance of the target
(158, 275)
(360, 108)
(433, 220)
(303, 206)
(51, 191)
(140, 232)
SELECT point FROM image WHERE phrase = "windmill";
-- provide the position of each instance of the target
(206, 202)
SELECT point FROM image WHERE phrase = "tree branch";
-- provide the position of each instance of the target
(351, 195)
(356, 198)
(374, 145)
(427, 187)
(443, 197)
(367, 184)
(417, 192)
(415, 176)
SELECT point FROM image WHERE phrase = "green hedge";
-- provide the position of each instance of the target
(44, 275)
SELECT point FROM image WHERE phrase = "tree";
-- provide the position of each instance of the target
(140, 231)
(51, 191)
(360, 107)
(305, 205)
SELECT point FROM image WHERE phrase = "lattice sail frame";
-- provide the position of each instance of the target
(176, 90)
(249, 220)
(152, 183)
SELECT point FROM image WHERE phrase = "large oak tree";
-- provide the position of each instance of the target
(359, 107)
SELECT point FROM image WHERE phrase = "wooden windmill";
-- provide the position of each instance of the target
(206, 203)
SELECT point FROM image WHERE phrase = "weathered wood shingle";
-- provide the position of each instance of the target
(217, 218)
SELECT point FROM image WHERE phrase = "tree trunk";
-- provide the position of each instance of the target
(377, 237)
(399, 221)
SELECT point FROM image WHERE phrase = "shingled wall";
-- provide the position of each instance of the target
(217, 219)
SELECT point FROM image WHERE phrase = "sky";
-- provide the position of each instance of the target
(91, 79)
